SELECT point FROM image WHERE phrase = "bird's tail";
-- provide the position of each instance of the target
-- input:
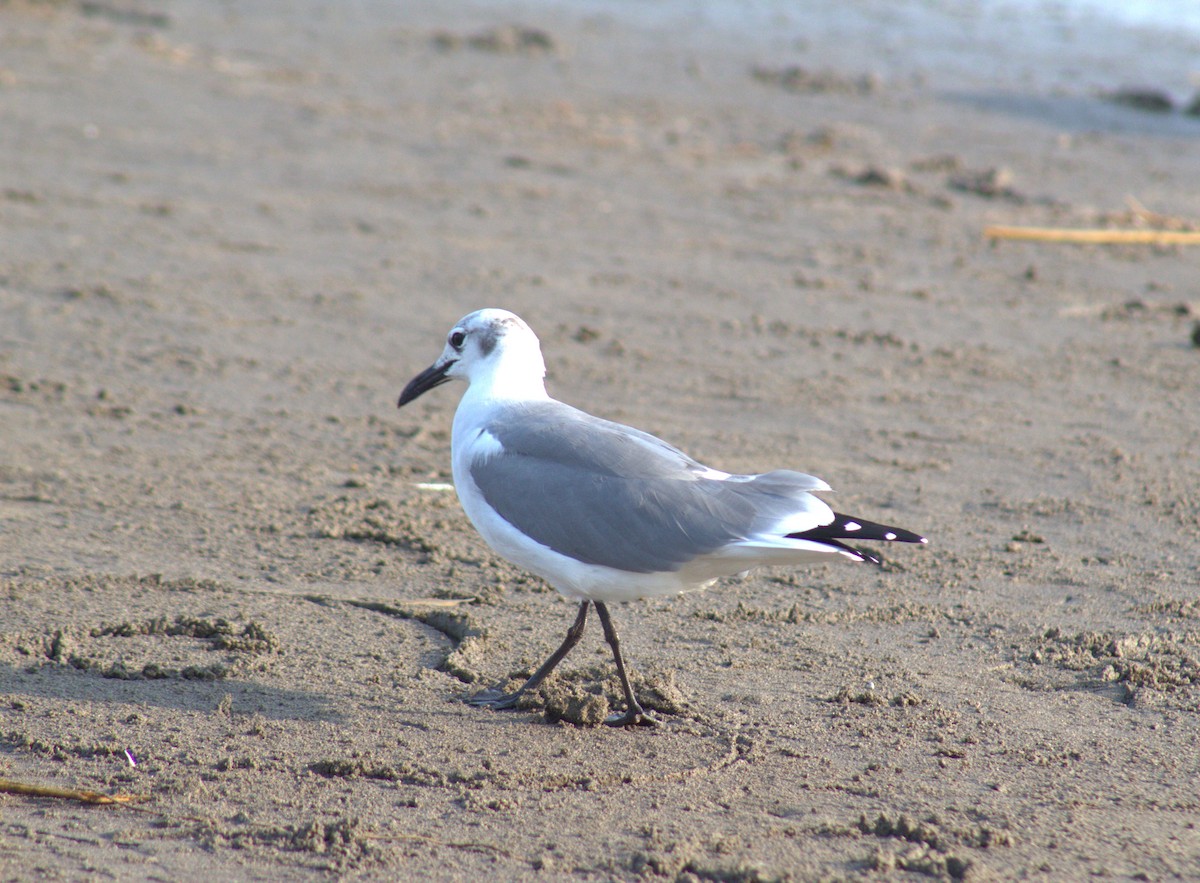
(844, 527)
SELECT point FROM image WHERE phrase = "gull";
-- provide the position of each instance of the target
(605, 512)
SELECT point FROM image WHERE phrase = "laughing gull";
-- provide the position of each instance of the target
(605, 512)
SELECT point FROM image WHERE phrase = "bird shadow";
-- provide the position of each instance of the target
(69, 686)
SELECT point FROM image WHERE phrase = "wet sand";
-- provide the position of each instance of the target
(226, 586)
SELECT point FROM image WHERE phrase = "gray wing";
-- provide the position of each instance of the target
(607, 494)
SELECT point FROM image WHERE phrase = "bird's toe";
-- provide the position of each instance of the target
(637, 718)
(496, 699)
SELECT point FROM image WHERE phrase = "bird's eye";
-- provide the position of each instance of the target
(457, 339)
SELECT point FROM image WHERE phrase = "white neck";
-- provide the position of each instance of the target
(517, 375)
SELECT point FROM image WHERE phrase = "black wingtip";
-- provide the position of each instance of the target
(854, 552)
(845, 527)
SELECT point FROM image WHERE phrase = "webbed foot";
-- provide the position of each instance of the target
(495, 698)
(631, 718)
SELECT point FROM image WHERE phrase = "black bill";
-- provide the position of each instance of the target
(434, 375)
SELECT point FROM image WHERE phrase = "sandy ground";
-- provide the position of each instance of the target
(227, 239)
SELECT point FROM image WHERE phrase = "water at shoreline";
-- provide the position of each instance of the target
(1075, 46)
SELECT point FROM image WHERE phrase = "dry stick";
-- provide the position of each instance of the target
(8, 786)
(1155, 219)
(1096, 236)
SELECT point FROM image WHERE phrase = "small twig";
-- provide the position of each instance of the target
(401, 605)
(434, 602)
(406, 605)
(1096, 236)
(1156, 219)
(8, 786)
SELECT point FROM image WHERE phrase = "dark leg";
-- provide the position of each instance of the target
(634, 713)
(498, 700)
